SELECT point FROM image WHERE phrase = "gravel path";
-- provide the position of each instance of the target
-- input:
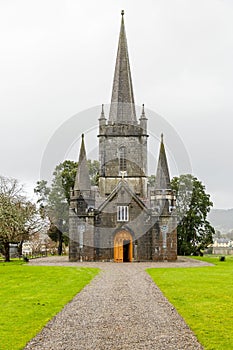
(120, 309)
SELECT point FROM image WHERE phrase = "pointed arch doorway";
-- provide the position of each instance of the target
(123, 247)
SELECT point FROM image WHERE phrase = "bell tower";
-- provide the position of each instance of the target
(122, 138)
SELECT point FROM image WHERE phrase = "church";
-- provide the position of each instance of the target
(122, 219)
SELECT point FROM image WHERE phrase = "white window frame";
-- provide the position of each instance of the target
(122, 213)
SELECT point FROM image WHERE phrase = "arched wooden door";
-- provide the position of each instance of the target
(123, 247)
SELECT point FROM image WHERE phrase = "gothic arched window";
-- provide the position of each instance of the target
(122, 158)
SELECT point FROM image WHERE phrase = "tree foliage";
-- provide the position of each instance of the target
(18, 216)
(54, 199)
(151, 181)
(64, 175)
(54, 206)
(194, 232)
(93, 166)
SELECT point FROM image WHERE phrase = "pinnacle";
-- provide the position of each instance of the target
(162, 174)
(82, 180)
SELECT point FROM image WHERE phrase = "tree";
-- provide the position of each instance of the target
(40, 244)
(217, 234)
(94, 166)
(54, 205)
(67, 172)
(194, 232)
(151, 181)
(54, 200)
(18, 216)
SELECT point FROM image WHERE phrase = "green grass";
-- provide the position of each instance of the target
(203, 296)
(31, 295)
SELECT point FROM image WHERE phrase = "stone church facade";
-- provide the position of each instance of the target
(123, 220)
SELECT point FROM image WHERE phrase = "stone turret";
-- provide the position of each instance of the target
(164, 197)
(82, 179)
(143, 125)
(163, 206)
(162, 175)
(81, 212)
(143, 120)
(102, 119)
(81, 196)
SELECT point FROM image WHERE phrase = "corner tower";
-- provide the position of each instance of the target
(81, 212)
(122, 138)
(163, 204)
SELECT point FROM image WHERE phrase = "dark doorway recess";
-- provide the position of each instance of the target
(126, 254)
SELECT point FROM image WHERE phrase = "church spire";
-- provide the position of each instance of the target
(82, 180)
(162, 181)
(122, 108)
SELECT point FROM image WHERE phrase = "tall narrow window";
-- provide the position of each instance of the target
(122, 213)
(164, 230)
(122, 158)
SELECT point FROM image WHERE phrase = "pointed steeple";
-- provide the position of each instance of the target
(122, 108)
(162, 181)
(82, 180)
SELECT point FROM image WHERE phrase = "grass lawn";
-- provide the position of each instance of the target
(203, 296)
(31, 295)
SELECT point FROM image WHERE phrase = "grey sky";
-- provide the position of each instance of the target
(57, 58)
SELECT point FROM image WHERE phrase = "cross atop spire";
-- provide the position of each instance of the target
(162, 181)
(82, 179)
(122, 108)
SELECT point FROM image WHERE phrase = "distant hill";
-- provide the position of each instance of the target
(221, 219)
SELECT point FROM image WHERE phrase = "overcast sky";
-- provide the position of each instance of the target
(57, 59)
